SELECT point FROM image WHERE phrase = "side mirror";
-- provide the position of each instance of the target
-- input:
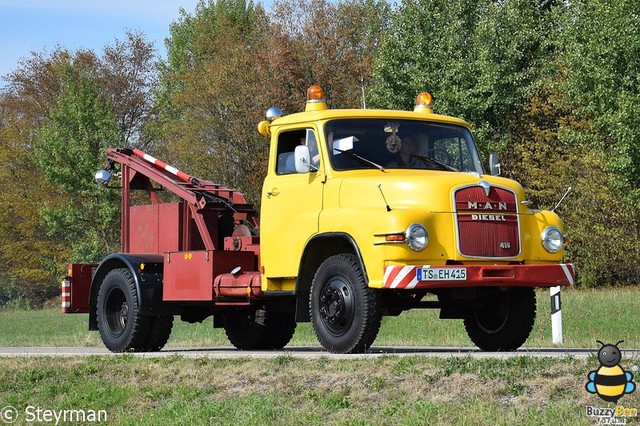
(102, 177)
(494, 164)
(302, 159)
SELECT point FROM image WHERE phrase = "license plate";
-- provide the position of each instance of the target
(441, 274)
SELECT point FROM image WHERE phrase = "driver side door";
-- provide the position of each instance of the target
(291, 205)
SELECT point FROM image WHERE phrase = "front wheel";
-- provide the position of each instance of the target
(505, 321)
(346, 314)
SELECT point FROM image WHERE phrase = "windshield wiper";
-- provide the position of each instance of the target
(435, 162)
(361, 159)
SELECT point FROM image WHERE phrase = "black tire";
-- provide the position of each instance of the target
(159, 333)
(283, 329)
(505, 323)
(251, 329)
(122, 327)
(345, 313)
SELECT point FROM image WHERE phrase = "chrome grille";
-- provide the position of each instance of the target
(487, 224)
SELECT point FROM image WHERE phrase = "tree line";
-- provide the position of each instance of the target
(550, 85)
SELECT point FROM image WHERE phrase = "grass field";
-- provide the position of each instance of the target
(390, 390)
(287, 391)
(607, 315)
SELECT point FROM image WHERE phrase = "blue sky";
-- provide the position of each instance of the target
(41, 25)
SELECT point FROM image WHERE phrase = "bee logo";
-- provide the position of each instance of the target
(610, 381)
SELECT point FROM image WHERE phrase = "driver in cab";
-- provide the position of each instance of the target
(405, 157)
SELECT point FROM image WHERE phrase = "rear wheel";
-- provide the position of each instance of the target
(159, 332)
(505, 322)
(250, 329)
(283, 329)
(346, 314)
(121, 325)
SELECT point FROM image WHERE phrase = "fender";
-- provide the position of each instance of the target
(148, 281)
(319, 248)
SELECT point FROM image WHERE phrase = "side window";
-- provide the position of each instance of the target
(312, 143)
(287, 142)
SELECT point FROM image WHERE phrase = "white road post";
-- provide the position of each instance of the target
(556, 315)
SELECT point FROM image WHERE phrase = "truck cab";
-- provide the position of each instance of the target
(398, 201)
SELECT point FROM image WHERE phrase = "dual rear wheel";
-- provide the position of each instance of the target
(262, 328)
(122, 326)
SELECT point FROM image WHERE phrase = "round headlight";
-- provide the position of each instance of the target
(417, 236)
(552, 239)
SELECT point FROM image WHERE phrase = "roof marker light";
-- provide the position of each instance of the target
(315, 99)
(424, 103)
(315, 94)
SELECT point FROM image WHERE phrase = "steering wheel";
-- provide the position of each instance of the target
(439, 155)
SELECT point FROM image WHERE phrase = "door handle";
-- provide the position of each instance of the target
(273, 192)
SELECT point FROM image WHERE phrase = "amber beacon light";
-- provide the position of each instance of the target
(315, 99)
(315, 93)
(424, 102)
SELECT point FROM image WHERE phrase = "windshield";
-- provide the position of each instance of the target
(400, 144)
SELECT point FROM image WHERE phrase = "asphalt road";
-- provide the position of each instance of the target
(307, 352)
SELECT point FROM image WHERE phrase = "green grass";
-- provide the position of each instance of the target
(288, 391)
(387, 390)
(608, 315)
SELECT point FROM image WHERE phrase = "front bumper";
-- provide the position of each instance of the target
(414, 276)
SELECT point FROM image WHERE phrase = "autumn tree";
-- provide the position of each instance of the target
(603, 228)
(478, 58)
(210, 94)
(126, 75)
(229, 62)
(69, 149)
(599, 80)
(602, 84)
(32, 261)
(29, 259)
(335, 44)
(50, 108)
(578, 130)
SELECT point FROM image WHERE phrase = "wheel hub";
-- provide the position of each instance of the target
(336, 306)
(124, 314)
(116, 312)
